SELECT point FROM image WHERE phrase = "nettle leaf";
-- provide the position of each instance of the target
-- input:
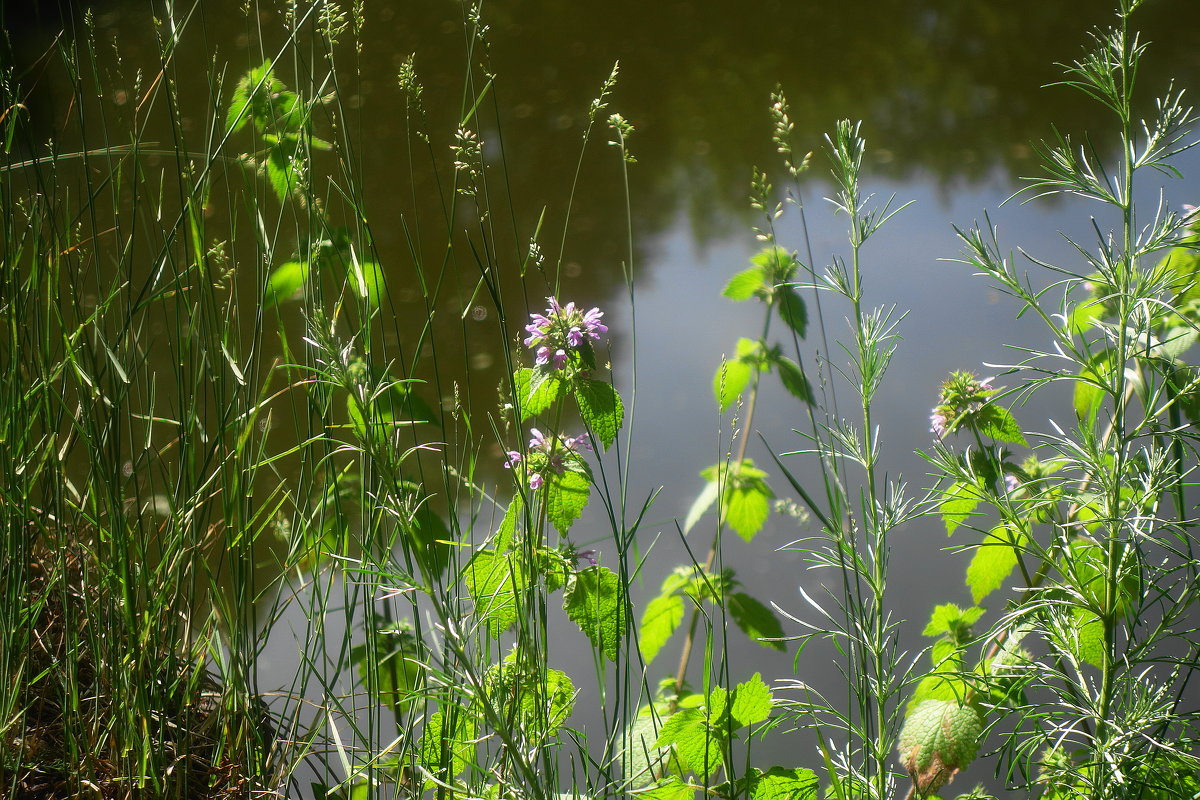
(1086, 314)
(777, 264)
(782, 783)
(601, 409)
(537, 390)
(746, 284)
(948, 619)
(993, 562)
(283, 167)
(734, 375)
(1090, 385)
(446, 747)
(703, 502)
(566, 496)
(508, 525)
(252, 98)
(1088, 639)
(792, 309)
(999, 423)
(495, 580)
(596, 603)
(793, 379)
(755, 620)
(958, 504)
(540, 699)
(286, 282)
(939, 737)
(751, 702)
(660, 620)
(693, 747)
(642, 761)
(747, 507)
(671, 789)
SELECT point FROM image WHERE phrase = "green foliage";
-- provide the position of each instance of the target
(735, 375)
(660, 620)
(959, 503)
(939, 738)
(537, 390)
(745, 498)
(532, 698)
(567, 494)
(698, 733)
(596, 602)
(286, 282)
(496, 580)
(388, 664)
(993, 562)
(446, 747)
(601, 408)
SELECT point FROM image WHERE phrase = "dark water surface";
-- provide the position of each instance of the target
(950, 97)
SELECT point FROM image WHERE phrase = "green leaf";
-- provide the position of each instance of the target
(730, 381)
(494, 581)
(601, 409)
(643, 762)
(958, 503)
(387, 666)
(456, 730)
(251, 98)
(782, 783)
(508, 525)
(285, 282)
(756, 620)
(659, 621)
(368, 282)
(791, 309)
(993, 562)
(703, 501)
(541, 699)
(672, 789)
(793, 379)
(939, 737)
(745, 284)
(747, 508)
(1091, 385)
(999, 423)
(693, 747)
(949, 619)
(566, 496)
(282, 167)
(751, 702)
(596, 603)
(536, 391)
(1088, 641)
(392, 406)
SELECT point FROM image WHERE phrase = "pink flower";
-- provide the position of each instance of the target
(938, 424)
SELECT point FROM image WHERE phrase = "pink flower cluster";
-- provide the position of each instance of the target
(962, 395)
(546, 453)
(561, 329)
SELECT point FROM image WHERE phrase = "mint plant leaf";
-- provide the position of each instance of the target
(782, 783)
(792, 309)
(693, 748)
(671, 789)
(285, 282)
(601, 409)
(566, 496)
(999, 423)
(494, 581)
(745, 284)
(993, 562)
(958, 503)
(659, 621)
(751, 702)
(595, 602)
(793, 379)
(747, 507)
(536, 391)
(756, 620)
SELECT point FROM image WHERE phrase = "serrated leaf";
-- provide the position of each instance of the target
(281, 168)
(659, 621)
(747, 507)
(508, 525)
(446, 748)
(494, 581)
(792, 309)
(1088, 641)
(1175, 342)
(730, 381)
(430, 539)
(782, 783)
(601, 409)
(1089, 385)
(693, 747)
(939, 737)
(703, 502)
(285, 282)
(751, 702)
(536, 391)
(671, 789)
(793, 379)
(999, 423)
(251, 98)
(567, 494)
(596, 603)
(745, 284)
(756, 620)
(540, 699)
(948, 618)
(642, 761)
(958, 503)
(993, 562)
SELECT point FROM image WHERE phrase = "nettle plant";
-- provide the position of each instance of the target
(1083, 675)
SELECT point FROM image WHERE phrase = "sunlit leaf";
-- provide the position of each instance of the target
(566, 496)
(660, 620)
(993, 562)
(958, 503)
(285, 282)
(745, 284)
(596, 603)
(755, 620)
(601, 409)
(999, 423)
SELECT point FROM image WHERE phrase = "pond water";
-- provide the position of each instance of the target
(951, 99)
